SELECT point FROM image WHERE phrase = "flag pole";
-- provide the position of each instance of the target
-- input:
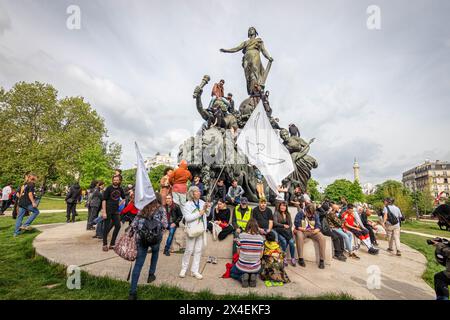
(208, 198)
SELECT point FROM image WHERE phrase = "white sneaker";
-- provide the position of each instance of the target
(197, 275)
(182, 273)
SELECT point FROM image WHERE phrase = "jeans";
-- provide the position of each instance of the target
(111, 219)
(92, 215)
(284, 244)
(170, 238)
(140, 259)
(348, 237)
(236, 274)
(35, 213)
(338, 241)
(276, 234)
(71, 210)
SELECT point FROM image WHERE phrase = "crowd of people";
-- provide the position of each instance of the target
(265, 241)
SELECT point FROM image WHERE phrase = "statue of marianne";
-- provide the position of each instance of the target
(251, 62)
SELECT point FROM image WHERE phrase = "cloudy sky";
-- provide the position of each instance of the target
(382, 96)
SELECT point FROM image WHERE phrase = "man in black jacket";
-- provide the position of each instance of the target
(220, 191)
(329, 221)
(72, 198)
(174, 216)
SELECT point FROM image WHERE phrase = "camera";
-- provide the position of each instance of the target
(442, 250)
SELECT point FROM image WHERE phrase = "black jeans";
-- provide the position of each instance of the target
(441, 283)
(71, 210)
(225, 232)
(111, 220)
(338, 241)
(92, 214)
(5, 205)
(373, 239)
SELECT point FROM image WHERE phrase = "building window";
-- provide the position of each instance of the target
(445, 180)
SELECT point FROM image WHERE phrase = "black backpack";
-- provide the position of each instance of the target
(151, 232)
(391, 218)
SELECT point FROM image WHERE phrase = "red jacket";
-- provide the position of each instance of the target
(130, 208)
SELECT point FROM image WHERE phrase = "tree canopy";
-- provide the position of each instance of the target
(61, 140)
(352, 191)
(393, 189)
(313, 190)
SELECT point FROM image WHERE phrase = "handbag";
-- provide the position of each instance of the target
(126, 247)
(195, 228)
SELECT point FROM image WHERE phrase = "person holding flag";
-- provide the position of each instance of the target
(148, 226)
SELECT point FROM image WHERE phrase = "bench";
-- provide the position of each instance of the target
(224, 249)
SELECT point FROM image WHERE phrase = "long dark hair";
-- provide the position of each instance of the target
(287, 213)
(152, 207)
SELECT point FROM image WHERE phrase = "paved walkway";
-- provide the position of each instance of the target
(71, 244)
(427, 235)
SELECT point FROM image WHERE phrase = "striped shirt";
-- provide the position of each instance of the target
(250, 249)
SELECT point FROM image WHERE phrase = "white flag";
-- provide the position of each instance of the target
(260, 143)
(144, 193)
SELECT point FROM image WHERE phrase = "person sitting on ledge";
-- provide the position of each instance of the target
(360, 232)
(242, 214)
(250, 250)
(198, 183)
(282, 223)
(234, 193)
(307, 225)
(264, 218)
(220, 191)
(329, 226)
(272, 262)
(222, 217)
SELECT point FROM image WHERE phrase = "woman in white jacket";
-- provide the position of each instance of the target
(195, 210)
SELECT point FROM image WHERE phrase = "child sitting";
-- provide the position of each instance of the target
(273, 262)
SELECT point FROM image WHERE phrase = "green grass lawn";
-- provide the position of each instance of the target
(25, 275)
(55, 203)
(419, 243)
(425, 227)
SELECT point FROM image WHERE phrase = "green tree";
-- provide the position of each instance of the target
(344, 188)
(424, 201)
(393, 189)
(313, 190)
(155, 175)
(45, 134)
(97, 163)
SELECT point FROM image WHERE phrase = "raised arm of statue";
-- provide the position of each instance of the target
(198, 102)
(236, 49)
(305, 149)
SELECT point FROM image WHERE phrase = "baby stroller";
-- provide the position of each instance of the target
(442, 212)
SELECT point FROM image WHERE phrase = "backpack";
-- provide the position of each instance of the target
(391, 218)
(151, 232)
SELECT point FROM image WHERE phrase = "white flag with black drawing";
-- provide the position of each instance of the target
(260, 143)
(144, 193)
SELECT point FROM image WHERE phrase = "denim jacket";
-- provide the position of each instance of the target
(300, 216)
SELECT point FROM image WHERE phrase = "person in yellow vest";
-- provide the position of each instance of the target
(242, 214)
